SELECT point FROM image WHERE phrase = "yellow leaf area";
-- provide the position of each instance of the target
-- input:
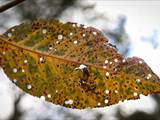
(72, 65)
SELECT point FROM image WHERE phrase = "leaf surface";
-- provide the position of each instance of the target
(72, 65)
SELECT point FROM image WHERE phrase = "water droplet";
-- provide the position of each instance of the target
(44, 31)
(25, 61)
(107, 91)
(116, 91)
(4, 53)
(75, 42)
(106, 101)
(29, 86)
(12, 30)
(41, 59)
(69, 102)
(106, 61)
(60, 37)
(81, 67)
(94, 33)
(116, 60)
(74, 25)
(135, 94)
(57, 42)
(56, 91)
(99, 104)
(9, 34)
(23, 70)
(123, 61)
(138, 80)
(104, 67)
(70, 33)
(49, 95)
(107, 73)
(83, 35)
(50, 48)
(14, 70)
(140, 62)
(149, 75)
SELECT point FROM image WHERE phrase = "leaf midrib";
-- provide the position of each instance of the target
(45, 54)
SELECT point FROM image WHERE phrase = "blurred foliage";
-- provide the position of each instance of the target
(43, 9)
(32, 9)
(17, 112)
(119, 36)
(152, 39)
(139, 115)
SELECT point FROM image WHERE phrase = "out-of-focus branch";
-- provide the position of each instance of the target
(10, 5)
(17, 111)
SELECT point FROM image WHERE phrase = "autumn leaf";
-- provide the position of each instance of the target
(72, 65)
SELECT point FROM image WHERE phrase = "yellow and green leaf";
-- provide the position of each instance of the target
(72, 66)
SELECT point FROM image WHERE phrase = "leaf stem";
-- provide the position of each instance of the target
(10, 5)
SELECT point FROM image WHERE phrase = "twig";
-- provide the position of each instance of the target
(10, 5)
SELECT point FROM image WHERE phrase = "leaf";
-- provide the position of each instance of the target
(72, 65)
